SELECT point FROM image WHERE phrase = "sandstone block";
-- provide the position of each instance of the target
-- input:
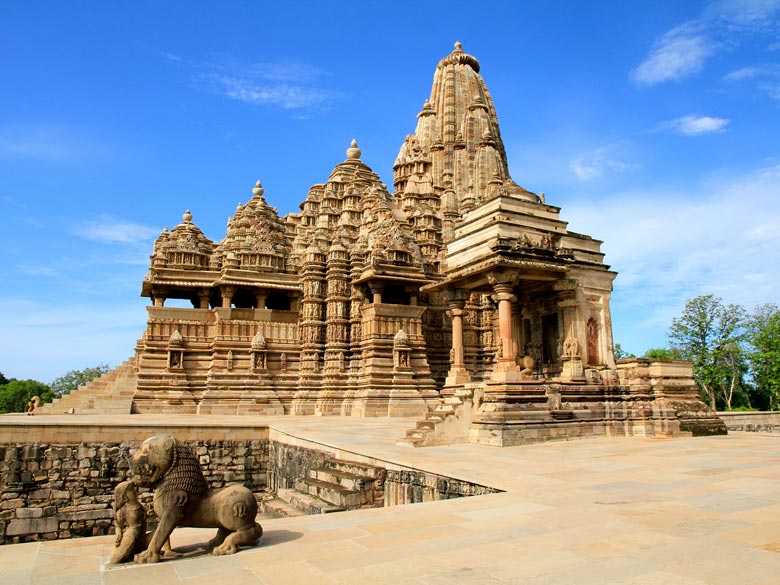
(31, 526)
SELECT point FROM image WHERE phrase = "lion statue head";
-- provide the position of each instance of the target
(164, 463)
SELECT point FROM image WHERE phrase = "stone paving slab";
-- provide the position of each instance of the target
(624, 511)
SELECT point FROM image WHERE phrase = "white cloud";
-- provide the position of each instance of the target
(667, 247)
(679, 53)
(765, 77)
(755, 14)
(742, 74)
(110, 230)
(291, 86)
(602, 160)
(696, 125)
(722, 25)
(257, 92)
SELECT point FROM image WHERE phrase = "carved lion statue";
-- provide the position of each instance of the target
(182, 498)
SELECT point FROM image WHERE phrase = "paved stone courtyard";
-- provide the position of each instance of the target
(685, 511)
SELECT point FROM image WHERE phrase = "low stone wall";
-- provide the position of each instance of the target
(394, 485)
(58, 482)
(57, 477)
(765, 422)
(412, 486)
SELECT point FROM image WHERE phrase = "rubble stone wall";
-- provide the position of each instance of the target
(65, 488)
(57, 481)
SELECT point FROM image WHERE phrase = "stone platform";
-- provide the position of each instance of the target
(638, 511)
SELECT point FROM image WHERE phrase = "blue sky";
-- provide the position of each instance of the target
(653, 125)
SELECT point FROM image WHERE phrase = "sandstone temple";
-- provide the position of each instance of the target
(457, 297)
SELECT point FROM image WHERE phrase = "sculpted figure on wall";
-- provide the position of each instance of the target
(182, 498)
(571, 347)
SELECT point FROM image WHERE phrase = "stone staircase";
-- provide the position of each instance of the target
(336, 486)
(111, 393)
(449, 421)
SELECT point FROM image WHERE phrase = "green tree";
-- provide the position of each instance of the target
(662, 353)
(763, 336)
(3, 379)
(15, 395)
(75, 378)
(710, 334)
(622, 354)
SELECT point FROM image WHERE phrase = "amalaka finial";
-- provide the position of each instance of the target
(187, 216)
(458, 46)
(353, 152)
(258, 190)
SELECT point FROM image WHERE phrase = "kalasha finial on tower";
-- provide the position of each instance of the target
(353, 152)
(258, 190)
(458, 46)
(187, 216)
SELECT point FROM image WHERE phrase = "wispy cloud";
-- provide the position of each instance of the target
(669, 246)
(750, 14)
(679, 53)
(696, 125)
(722, 25)
(297, 87)
(595, 164)
(765, 77)
(289, 96)
(110, 230)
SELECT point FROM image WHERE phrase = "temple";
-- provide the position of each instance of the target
(459, 298)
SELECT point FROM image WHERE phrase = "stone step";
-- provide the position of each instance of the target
(360, 469)
(331, 493)
(417, 433)
(409, 442)
(306, 503)
(278, 508)
(344, 479)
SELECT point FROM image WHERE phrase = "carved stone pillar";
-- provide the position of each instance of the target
(506, 368)
(458, 373)
(227, 295)
(159, 295)
(203, 298)
(260, 298)
(505, 298)
(376, 290)
(571, 358)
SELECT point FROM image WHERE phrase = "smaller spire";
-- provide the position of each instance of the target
(353, 152)
(187, 216)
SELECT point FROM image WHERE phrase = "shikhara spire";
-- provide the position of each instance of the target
(457, 144)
